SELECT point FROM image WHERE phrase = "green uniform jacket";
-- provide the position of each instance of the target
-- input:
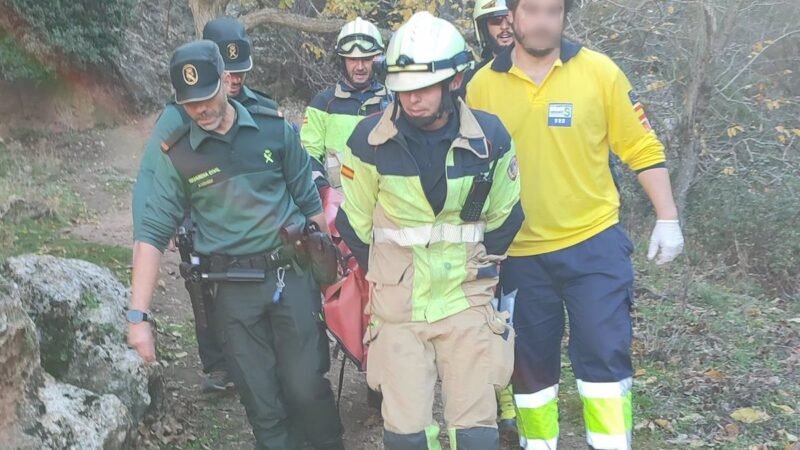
(171, 119)
(241, 187)
(333, 114)
(427, 267)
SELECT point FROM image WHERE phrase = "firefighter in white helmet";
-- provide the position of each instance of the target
(334, 112)
(492, 28)
(431, 205)
(493, 32)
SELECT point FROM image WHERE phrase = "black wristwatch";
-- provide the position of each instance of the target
(135, 316)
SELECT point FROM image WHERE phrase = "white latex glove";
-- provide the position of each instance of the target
(668, 238)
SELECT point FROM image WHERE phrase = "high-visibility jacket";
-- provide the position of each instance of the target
(564, 128)
(425, 266)
(333, 114)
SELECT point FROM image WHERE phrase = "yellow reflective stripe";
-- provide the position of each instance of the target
(432, 435)
(537, 399)
(614, 389)
(537, 419)
(431, 234)
(609, 441)
(607, 410)
(538, 444)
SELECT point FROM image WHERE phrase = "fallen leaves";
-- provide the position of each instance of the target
(750, 415)
(784, 409)
(663, 424)
(734, 130)
(714, 375)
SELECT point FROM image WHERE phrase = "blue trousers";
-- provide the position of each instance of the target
(593, 281)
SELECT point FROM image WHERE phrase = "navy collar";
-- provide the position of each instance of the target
(502, 62)
(374, 86)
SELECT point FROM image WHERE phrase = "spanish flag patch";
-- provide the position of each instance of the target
(638, 108)
(347, 172)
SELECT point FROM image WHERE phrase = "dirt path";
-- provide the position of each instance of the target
(110, 160)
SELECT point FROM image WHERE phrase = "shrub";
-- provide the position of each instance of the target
(751, 226)
(87, 31)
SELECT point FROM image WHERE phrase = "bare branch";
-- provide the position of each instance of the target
(273, 16)
(754, 58)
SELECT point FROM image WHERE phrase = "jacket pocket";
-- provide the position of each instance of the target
(391, 273)
(482, 275)
(501, 347)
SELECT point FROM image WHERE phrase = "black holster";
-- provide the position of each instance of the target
(199, 293)
(313, 250)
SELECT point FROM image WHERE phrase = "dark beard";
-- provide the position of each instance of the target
(539, 52)
(446, 107)
(519, 38)
(496, 48)
(357, 86)
(421, 122)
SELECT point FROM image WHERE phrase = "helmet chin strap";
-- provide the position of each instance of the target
(446, 106)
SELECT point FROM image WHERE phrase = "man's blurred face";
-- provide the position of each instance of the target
(538, 25)
(499, 29)
(208, 114)
(358, 71)
(235, 83)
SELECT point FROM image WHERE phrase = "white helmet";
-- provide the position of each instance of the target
(483, 10)
(424, 51)
(359, 39)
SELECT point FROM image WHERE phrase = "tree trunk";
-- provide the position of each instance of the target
(205, 10)
(712, 39)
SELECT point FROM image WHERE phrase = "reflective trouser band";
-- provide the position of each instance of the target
(609, 442)
(537, 417)
(453, 438)
(431, 234)
(607, 413)
(538, 444)
(432, 434)
(505, 400)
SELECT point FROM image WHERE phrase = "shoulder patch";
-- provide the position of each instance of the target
(174, 137)
(513, 169)
(264, 111)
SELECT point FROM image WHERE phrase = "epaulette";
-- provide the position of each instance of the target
(174, 137)
(264, 111)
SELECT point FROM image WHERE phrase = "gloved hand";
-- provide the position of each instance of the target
(668, 238)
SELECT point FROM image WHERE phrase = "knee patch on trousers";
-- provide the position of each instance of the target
(478, 438)
(427, 439)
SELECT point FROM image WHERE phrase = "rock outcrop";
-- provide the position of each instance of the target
(67, 379)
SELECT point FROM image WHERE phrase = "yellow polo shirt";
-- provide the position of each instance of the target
(563, 130)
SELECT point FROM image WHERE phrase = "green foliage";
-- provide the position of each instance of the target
(16, 65)
(90, 300)
(88, 31)
(750, 226)
(46, 235)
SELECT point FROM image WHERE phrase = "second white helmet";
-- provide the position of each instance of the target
(359, 39)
